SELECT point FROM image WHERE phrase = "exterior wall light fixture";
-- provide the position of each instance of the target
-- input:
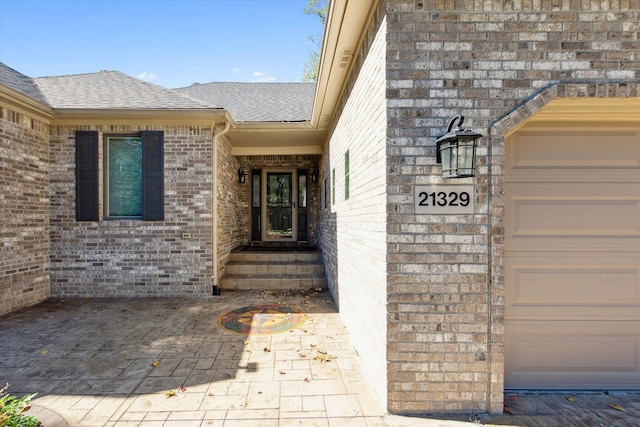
(242, 175)
(456, 150)
(314, 174)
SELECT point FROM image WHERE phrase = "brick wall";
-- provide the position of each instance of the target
(353, 229)
(232, 206)
(24, 210)
(136, 258)
(482, 60)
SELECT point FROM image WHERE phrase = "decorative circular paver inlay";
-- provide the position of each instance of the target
(262, 319)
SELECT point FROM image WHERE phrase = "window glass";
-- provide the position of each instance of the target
(326, 192)
(346, 175)
(302, 190)
(333, 186)
(124, 176)
(255, 182)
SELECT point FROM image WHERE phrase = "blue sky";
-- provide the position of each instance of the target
(172, 43)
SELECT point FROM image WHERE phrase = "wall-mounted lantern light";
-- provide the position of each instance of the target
(314, 174)
(456, 150)
(242, 175)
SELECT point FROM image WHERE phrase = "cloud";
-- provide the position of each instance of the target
(261, 77)
(147, 76)
(237, 69)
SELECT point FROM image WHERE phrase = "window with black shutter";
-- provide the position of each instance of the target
(133, 176)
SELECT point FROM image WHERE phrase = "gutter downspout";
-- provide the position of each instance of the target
(214, 206)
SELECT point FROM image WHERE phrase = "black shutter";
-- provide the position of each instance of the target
(153, 176)
(87, 206)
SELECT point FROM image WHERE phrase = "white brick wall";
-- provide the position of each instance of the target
(354, 231)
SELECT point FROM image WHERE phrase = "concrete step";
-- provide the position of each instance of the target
(273, 281)
(276, 256)
(279, 267)
(274, 268)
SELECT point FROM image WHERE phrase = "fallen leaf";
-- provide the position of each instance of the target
(170, 393)
(267, 350)
(282, 373)
(43, 352)
(182, 388)
(616, 407)
(313, 345)
(570, 398)
(322, 356)
(307, 380)
(156, 363)
(506, 409)
(246, 342)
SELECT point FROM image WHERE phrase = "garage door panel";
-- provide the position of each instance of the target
(572, 258)
(572, 213)
(581, 155)
(575, 217)
(573, 354)
(602, 286)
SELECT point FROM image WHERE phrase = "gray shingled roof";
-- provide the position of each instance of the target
(258, 102)
(247, 102)
(112, 90)
(21, 83)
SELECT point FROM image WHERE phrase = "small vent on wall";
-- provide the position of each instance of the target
(345, 58)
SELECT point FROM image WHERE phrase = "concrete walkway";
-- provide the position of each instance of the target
(166, 362)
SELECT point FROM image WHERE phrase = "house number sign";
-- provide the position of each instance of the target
(444, 199)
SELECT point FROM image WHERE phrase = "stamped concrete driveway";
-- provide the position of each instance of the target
(167, 362)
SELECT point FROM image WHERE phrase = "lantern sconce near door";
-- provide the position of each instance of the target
(242, 175)
(314, 174)
(456, 150)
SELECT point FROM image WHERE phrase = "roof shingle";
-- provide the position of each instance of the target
(247, 102)
(21, 83)
(258, 102)
(112, 90)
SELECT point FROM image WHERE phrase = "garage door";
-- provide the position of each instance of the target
(572, 258)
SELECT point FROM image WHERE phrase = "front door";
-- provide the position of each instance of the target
(279, 213)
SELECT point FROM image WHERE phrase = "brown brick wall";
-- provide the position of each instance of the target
(232, 206)
(136, 258)
(24, 210)
(482, 60)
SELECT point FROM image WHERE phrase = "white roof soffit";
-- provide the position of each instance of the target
(275, 139)
(344, 31)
